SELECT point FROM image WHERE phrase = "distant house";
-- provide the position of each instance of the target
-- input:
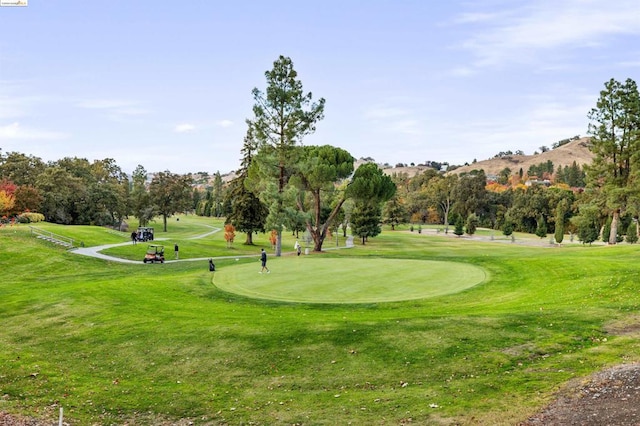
(531, 182)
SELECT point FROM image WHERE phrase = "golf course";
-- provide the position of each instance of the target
(410, 328)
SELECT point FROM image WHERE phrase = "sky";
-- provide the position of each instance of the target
(167, 84)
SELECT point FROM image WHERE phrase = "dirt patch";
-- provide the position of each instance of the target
(610, 397)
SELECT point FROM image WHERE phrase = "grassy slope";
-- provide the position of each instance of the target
(113, 342)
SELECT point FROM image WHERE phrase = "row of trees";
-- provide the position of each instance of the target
(283, 184)
(299, 187)
(608, 206)
(75, 191)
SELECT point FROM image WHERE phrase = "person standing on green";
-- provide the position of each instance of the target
(263, 259)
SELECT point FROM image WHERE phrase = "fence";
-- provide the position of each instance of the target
(50, 236)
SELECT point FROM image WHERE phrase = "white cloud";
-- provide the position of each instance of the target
(15, 131)
(224, 123)
(184, 128)
(394, 120)
(544, 26)
(115, 109)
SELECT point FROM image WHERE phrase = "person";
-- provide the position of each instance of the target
(263, 259)
(175, 249)
(298, 247)
(212, 267)
(134, 237)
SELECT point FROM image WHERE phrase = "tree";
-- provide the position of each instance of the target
(20, 168)
(7, 202)
(27, 198)
(369, 187)
(229, 234)
(472, 224)
(459, 226)
(541, 229)
(365, 220)
(587, 223)
(470, 193)
(441, 192)
(507, 227)
(504, 176)
(247, 213)
(170, 193)
(63, 196)
(217, 195)
(632, 232)
(561, 211)
(141, 204)
(615, 130)
(109, 192)
(282, 117)
(394, 212)
(317, 172)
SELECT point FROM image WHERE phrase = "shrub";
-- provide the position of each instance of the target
(30, 217)
(472, 224)
(632, 233)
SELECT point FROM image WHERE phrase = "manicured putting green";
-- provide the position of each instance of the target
(348, 280)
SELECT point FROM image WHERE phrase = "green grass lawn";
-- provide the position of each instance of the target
(313, 279)
(120, 343)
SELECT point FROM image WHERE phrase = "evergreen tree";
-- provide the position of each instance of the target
(248, 214)
(615, 127)
(507, 227)
(283, 115)
(587, 223)
(459, 226)
(632, 233)
(365, 219)
(472, 224)
(394, 212)
(561, 211)
(217, 195)
(541, 229)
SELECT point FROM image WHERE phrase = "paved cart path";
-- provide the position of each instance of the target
(96, 250)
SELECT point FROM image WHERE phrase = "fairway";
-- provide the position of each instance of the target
(340, 280)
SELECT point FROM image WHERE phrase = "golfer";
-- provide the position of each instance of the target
(263, 259)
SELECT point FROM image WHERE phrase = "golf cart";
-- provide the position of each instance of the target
(145, 233)
(154, 254)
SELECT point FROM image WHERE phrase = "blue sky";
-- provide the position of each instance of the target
(167, 84)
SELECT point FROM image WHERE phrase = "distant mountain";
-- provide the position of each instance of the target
(576, 150)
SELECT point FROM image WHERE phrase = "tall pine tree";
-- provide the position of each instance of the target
(615, 127)
(248, 213)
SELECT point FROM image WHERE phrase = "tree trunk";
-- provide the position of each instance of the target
(613, 235)
(164, 221)
(317, 242)
(279, 243)
(249, 240)
(320, 232)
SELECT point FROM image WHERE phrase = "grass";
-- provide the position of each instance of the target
(116, 343)
(341, 280)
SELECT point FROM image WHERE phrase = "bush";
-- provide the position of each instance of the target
(459, 226)
(632, 233)
(30, 217)
(472, 224)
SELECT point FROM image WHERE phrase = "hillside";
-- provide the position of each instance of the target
(565, 155)
(576, 150)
